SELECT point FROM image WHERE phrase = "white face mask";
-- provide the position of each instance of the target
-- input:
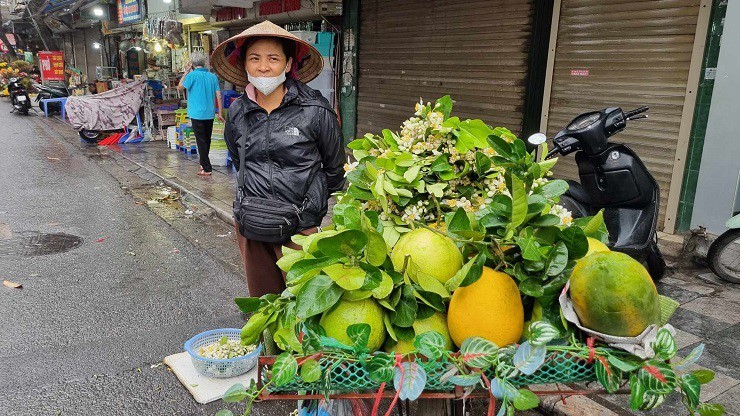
(266, 85)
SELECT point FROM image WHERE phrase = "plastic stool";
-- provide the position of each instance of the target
(62, 100)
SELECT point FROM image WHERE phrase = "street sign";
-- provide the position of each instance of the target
(129, 11)
(51, 65)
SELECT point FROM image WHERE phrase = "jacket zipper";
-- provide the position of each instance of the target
(269, 160)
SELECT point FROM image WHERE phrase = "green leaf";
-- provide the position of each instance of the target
(664, 345)
(317, 296)
(424, 311)
(346, 243)
(477, 352)
(310, 371)
(430, 299)
(525, 400)
(466, 380)
(437, 189)
(556, 260)
(703, 376)
(627, 365)
(348, 278)
(541, 332)
(377, 250)
(359, 334)
(459, 221)
(546, 220)
(470, 272)
(596, 228)
(303, 267)
(381, 367)
(404, 160)
(691, 388)
(518, 202)
(482, 163)
(637, 392)
(247, 305)
(658, 377)
(576, 242)
(224, 412)
(406, 308)
(691, 358)
(430, 344)
(609, 377)
(500, 146)
(495, 220)
(284, 369)
(389, 327)
(711, 409)
(385, 287)
(555, 188)
(652, 400)
(546, 165)
(472, 134)
(290, 257)
(529, 247)
(404, 334)
(531, 287)
(411, 173)
(235, 393)
(426, 281)
(411, 382)
(444, 106)
(528, 358)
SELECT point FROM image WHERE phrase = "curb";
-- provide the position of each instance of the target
(223, 215)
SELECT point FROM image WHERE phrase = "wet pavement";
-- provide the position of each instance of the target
(709, 311)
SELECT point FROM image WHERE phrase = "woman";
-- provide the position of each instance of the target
(283, 136)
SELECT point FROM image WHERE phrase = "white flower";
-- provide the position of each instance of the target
(349, 167)
(566, 217)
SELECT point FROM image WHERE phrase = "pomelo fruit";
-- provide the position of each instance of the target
(432, 253)
(595, 246)
(490, 308)
(613, 293)
(436, 322)
(336, 320)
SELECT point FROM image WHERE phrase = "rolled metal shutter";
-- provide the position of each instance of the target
(475, 51)
(636, 53)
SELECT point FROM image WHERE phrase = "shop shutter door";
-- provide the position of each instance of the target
(475, 51)
(636, 53)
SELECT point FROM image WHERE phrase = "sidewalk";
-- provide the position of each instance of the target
(709, 311)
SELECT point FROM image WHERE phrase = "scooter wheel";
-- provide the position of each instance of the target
(724, 256)
(655, 263)
(90, 136)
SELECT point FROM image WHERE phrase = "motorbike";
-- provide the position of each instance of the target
(612, 179)
(18, 96)
(58, 90)
(724, 252)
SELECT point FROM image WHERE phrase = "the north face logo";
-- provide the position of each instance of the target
(292, 131)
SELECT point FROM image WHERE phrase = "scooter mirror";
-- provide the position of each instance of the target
(537, 139)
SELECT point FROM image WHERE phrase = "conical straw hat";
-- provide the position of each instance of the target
(228, 60)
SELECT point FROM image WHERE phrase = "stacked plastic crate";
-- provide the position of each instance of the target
(324, 83)
(219, 152)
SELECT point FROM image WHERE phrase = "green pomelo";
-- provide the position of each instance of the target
(432, 253)
(336, 320)
(436, 322)
(613, 293)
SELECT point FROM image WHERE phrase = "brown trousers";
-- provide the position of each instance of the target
(260, 263)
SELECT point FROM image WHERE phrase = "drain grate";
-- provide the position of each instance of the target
(29, 244)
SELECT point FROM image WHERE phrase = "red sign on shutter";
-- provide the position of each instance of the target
(579, 72)
(279, 6)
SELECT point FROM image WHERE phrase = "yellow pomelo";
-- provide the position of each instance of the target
(490, 308)
(436, 322)
(613, 293)
(336, 320)
(595, 246)
(432, 253)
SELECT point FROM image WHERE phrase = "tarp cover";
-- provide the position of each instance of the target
(110, 110)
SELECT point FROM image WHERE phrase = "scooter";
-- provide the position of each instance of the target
(724, 253)
(612, 178)
(50, 91)
(18, 96)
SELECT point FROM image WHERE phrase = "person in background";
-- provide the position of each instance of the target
(203, 91)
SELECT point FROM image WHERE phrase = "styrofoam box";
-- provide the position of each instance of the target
(218, 157)
(307, 35)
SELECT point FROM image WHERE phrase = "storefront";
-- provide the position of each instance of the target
(477, 52)
(639, 54)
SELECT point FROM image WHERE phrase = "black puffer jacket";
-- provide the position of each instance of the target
(294, 154)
